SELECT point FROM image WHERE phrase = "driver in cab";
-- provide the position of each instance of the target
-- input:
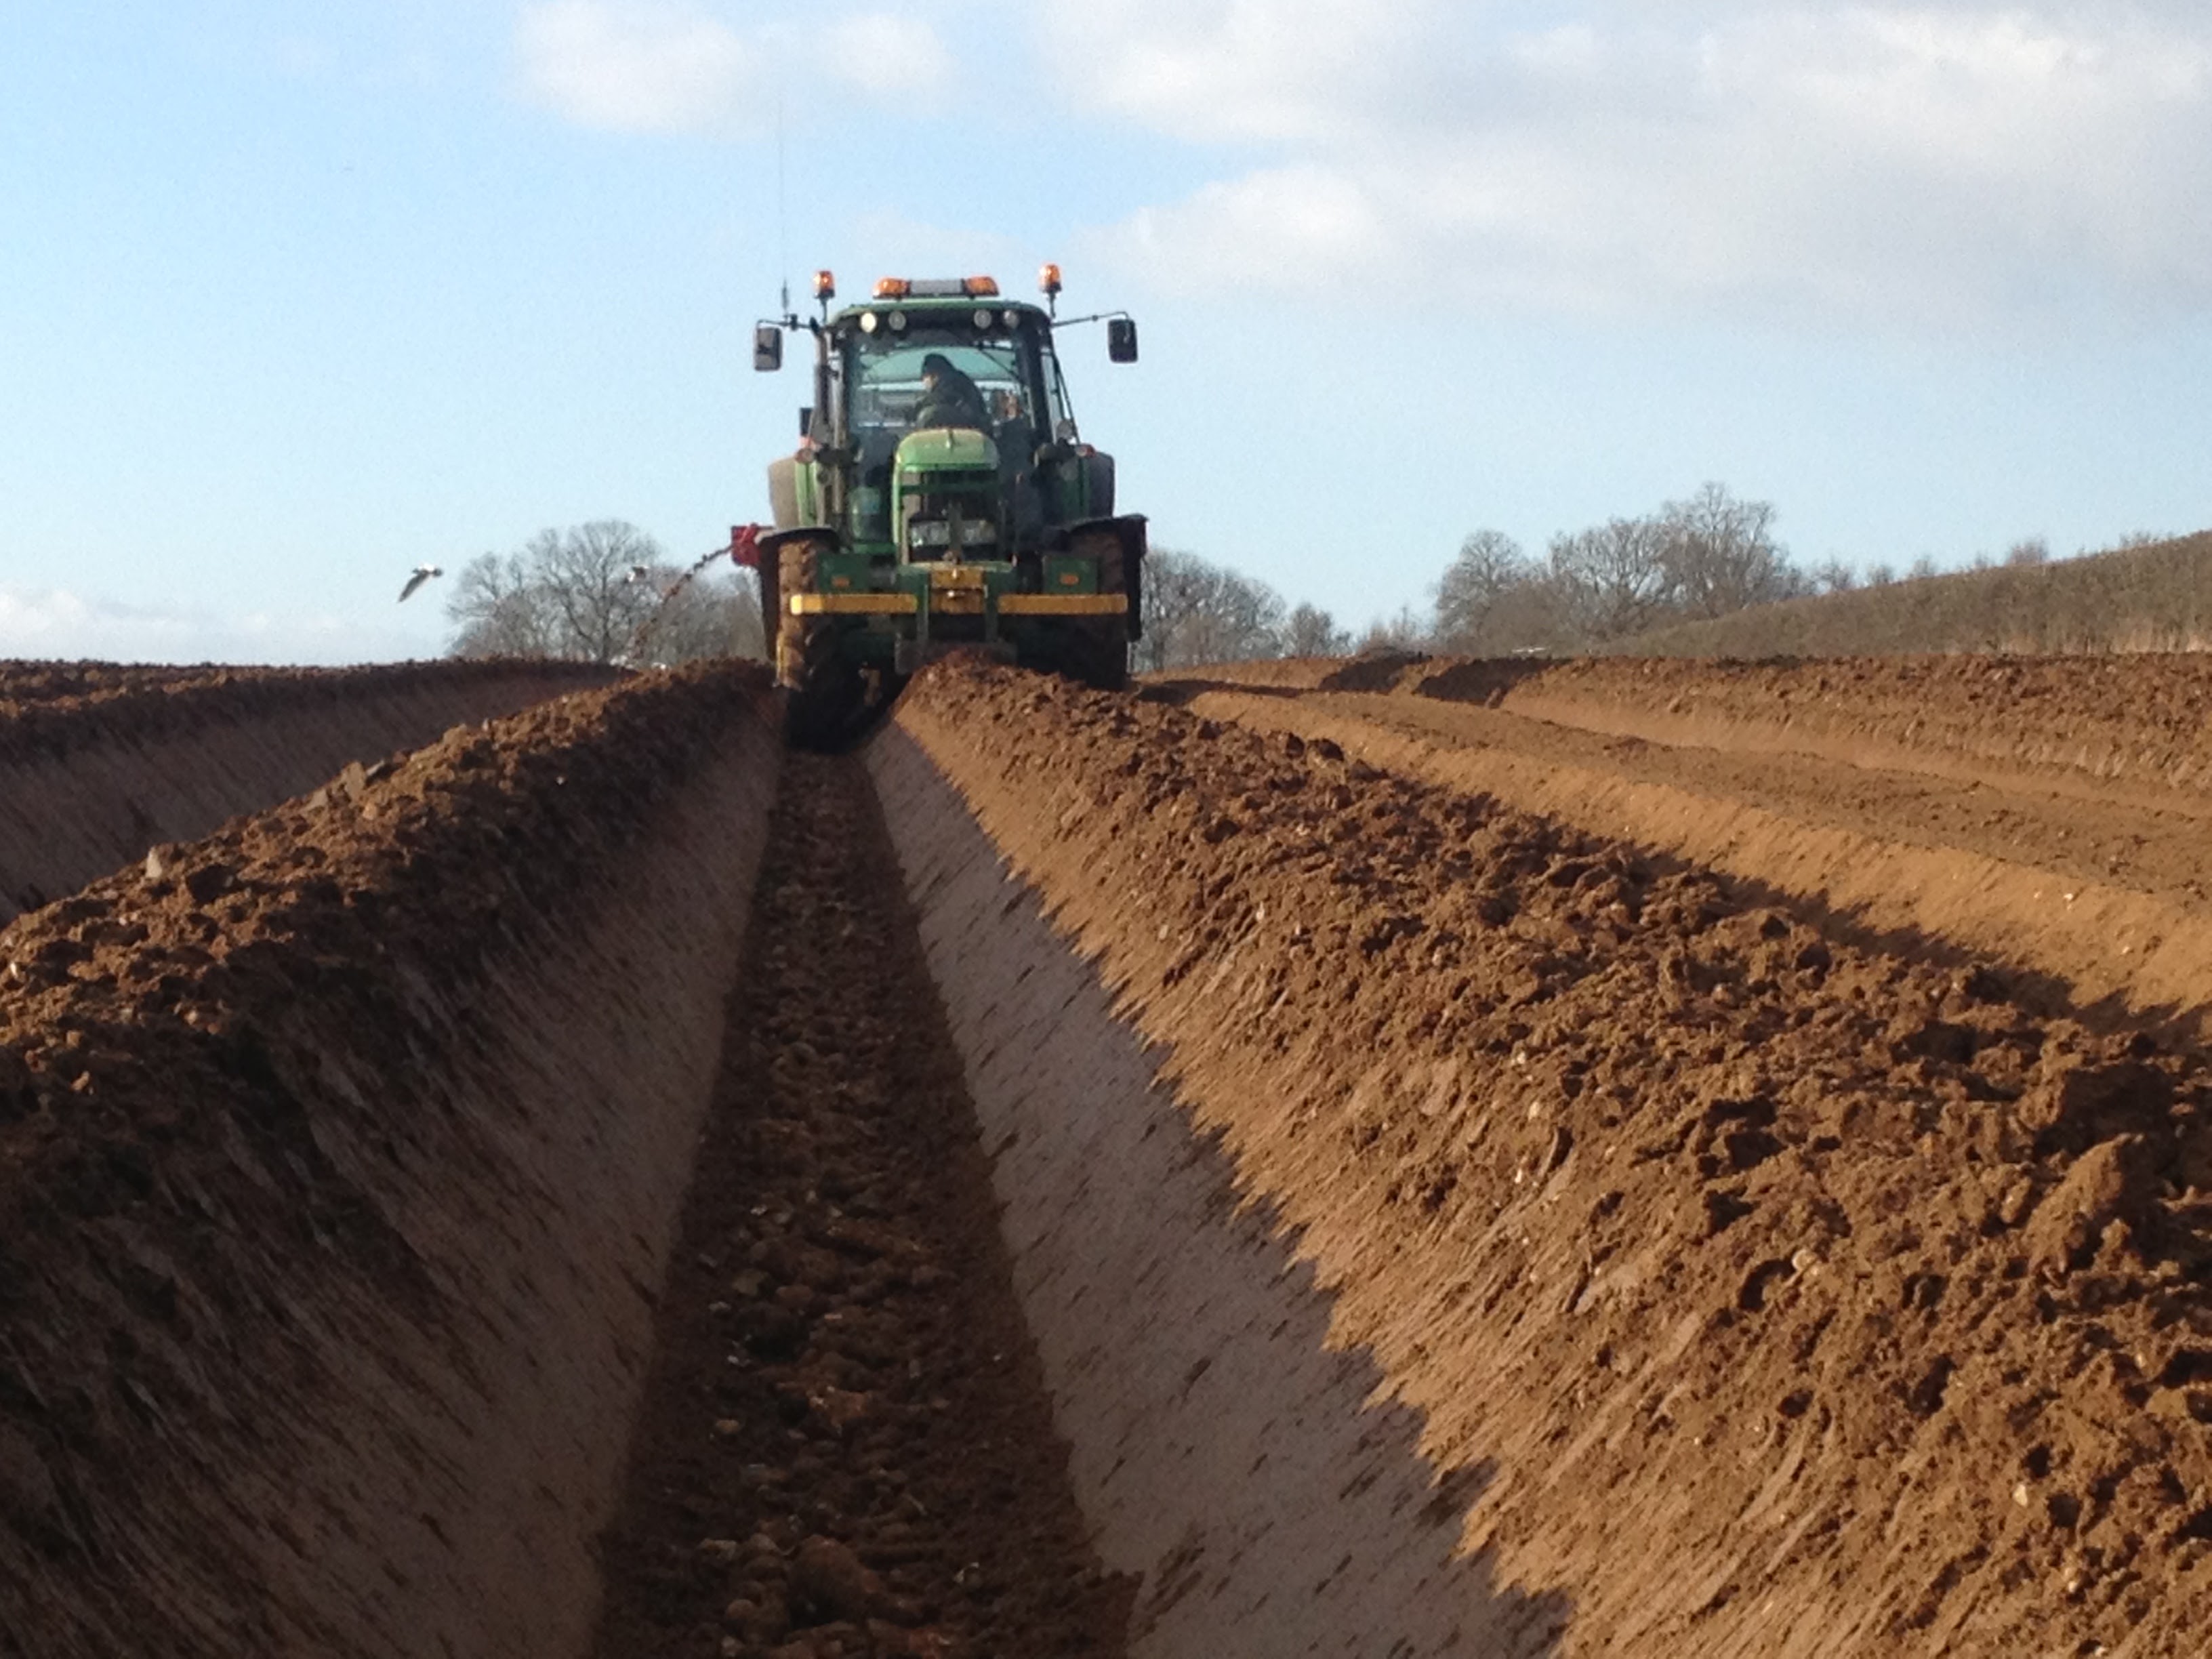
(949, 397)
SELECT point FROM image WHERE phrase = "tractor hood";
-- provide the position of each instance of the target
(947, 449)
(946, 499)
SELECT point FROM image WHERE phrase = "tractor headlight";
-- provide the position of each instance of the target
(898, 322)
(869, 322)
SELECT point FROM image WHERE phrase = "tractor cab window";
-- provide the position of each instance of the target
(890, 394)
(1061, 411)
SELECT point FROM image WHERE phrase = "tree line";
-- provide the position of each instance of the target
(2149, 593)
(1706, 556)
(605, 593)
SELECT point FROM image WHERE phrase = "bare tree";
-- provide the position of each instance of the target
(1198, 612)
(597, 592)
(2033, 550)
(1721, 555)
(710, 615)
(1314, 633)
(1489, 577)
(590, 573)
(498, 606)
(1404, 632)
(1613, 579)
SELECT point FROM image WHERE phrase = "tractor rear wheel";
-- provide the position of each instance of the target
(824, 693)
(822, 690)
(1095, 655)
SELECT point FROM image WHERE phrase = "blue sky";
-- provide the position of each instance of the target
(294, 297)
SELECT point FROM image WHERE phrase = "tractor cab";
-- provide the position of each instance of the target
(950, 404)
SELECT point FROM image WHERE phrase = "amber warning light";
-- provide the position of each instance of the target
(1049, 280)
(825, 285)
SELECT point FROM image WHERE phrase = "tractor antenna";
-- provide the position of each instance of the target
(782, 228)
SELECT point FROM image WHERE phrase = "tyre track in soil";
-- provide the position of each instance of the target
(845, 1447)
(2098, 909)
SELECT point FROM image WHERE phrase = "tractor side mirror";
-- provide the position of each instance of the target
(767, 347)
(1121, 339)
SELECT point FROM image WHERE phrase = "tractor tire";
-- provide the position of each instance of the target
(823, 694)
(822, 690)
(796, 564)
(1097, 657)
(1120, 568)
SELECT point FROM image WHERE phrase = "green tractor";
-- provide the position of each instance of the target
(940, 500)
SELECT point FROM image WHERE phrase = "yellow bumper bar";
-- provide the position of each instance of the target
(956, 601)
(850, 605)
(1064, 605)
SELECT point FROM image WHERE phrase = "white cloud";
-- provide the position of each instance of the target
(884, 53)
(674, 66)
(640, 66)
(1242, 69)
(1932, 162)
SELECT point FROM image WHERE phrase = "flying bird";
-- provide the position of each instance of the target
(422, 573)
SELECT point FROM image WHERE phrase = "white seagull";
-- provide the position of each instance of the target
(422, 573)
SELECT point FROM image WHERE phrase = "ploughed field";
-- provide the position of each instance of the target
(1395, 1157)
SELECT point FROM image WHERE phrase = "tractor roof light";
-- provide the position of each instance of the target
(1049, 282)
(825, 285)
(981, 287)
(893, 288)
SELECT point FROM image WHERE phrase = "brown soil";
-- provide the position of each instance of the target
(1256, 1477)
(2090, 897)
(30, 681)
(2135, 727)
(845, 1447)
(97, 763)
(50, 709)
(305, 1178)
(1805, 1298)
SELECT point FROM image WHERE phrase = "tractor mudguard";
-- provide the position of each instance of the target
(1118, 544)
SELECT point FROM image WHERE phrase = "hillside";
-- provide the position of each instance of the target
(2157, 597)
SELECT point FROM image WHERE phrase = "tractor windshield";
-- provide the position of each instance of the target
(889, 394)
